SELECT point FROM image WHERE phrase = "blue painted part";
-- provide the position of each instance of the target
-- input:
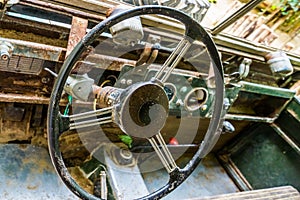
(208, 179)
(26, 173)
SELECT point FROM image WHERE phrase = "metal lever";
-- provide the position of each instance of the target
(51, 72)
(78, 86)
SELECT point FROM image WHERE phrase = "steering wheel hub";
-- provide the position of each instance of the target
(143, 109)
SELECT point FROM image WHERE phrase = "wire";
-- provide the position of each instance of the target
(95, 100)
(70, 98)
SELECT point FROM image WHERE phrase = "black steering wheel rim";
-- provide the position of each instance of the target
(194, 31)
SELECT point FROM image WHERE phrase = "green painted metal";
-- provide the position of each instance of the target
(266, 90)
(256, 102)
(267, 155)
(289, 121)
(274, 99)
(265, 159)
(286, 137)
(294, 108)
(183, 83)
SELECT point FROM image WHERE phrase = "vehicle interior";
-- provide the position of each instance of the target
(150, 99)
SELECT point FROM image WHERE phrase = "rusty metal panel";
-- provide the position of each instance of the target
(36, 50)
(22, 65)
(77, 32)
(15, 122)
(22, 98)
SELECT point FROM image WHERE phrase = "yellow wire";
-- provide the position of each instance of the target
(95, 100)
(102, 84)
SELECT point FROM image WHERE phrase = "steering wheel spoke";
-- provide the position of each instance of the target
(90, 123)
(91, 118)
(162, 151)
(173, 60)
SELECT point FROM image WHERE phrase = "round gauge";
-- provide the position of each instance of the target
(195, 98)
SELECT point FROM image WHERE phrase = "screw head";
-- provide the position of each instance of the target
(4, 57)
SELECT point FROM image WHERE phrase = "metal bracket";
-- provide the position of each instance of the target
(79, 86)
(244, 67)
(6, 50)
(121, 175)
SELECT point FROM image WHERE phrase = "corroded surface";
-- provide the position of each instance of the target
(27, 173)
(13, 34)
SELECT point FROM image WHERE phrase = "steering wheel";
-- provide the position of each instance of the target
(139, 109)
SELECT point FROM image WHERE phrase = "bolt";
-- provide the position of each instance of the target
(5, 49)
(126, 154)
(190, 79)
(129, 82)
(179, 102)
(4, 56)
(45, 80)
(204, 107)
(184, 89)
(226, 103)
(123, 81)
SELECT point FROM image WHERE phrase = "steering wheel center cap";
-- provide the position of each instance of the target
(143, 109)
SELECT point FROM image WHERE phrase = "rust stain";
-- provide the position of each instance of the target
(35, 50)
(30, 37)
(32, 187)
(40, 167)
(77, 32)
(81, 179)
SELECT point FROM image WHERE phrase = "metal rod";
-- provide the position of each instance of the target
(176, 61)
(235, 173)
(286, 138)
(21, 98)
(166, 151)
(160, 155)
(40, 20)
(250, 118)
(89, 122)
(75, 126)
(235, 16)
(51, 72)
(163, 152)
(103, 185)
(92, 113)
(173, 56)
